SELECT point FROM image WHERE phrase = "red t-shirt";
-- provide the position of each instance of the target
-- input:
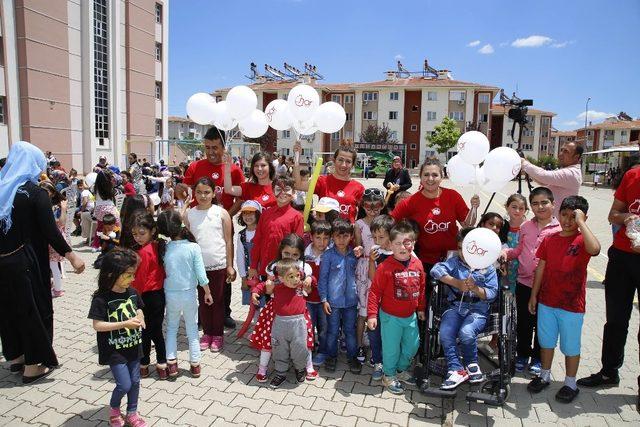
(262, 194)
(396, 289)
(347, 193)
(288, 301)
(629, 193)
(438, 220)
(150, 274)
(314, 262)
(129, 189)
(565, 272)
(204, 167)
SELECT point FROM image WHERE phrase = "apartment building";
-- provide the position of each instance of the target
(84, 78)
(536, 138)
(411, 107)
(558, 138)
(182, 128)
(612, 131)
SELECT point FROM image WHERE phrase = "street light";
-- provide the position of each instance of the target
(586, 114)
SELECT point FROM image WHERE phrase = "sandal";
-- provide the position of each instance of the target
(144, 371)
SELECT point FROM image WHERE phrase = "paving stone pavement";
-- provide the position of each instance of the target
(77, 393)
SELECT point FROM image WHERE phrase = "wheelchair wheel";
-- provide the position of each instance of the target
(492, 387)
(508, 335)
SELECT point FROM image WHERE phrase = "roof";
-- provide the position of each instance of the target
(499, 109)
(613, 123)
(179, 119)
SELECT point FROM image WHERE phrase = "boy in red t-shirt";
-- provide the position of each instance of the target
(558, 294)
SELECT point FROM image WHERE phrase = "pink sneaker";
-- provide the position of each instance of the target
(56, 294)
(205, 341)
(115, 417)
(216, 344)
(134, 420)
(311, 375)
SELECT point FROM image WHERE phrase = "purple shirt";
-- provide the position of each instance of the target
(562, 182)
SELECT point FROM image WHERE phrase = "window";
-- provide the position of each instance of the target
(483, 118)
(285, 96)
(623, 133)
(483, 98)
(335, 136)
(393, 96)
(457, 115)
(348, 99)
(414, 128)
(510, 145)
(608, 134)
(431, 116)
(432, 96)
(349, 116)
(1, 52)
(2, 103)
(429, 153)
(101, 70)
(545, 120)
(543, 148)
(545, 134)
(159, 127)
(527, 132)
(336, 98)
(158, 51)
(393, 115)
(393, 135)
(527, 147)
(286, 134)
(348, 134)
(457, 95)
(158, 90)
(370, 96)
(370, 115)
(531, 119)
(158, 13)
(414, 146)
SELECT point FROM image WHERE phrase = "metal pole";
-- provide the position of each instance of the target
(586, 114)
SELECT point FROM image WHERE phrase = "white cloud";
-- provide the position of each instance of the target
(560, 45)
(473, 43)
(594, 116)
(398, 57)
(532, 41)
(486, 49)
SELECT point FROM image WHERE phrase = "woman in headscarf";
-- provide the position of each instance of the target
(27, 228)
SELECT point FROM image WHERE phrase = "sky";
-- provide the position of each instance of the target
(558, 53)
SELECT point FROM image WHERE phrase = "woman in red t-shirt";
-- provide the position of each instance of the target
(338, 185)
(258, 187)
(437, 211)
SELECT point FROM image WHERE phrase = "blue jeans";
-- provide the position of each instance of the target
(183, 303)
(127, 377)
(344, 318)
(462, 324)
(319, 321)
(375, 342)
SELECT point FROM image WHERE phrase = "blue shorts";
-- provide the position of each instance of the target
(554, 322)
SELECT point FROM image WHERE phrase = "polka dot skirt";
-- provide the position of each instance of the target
(261, 336)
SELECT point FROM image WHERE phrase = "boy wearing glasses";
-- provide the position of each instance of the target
(397, 292)
(532, 233)
(274, 224)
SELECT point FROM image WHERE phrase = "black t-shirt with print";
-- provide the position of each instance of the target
(120, 345)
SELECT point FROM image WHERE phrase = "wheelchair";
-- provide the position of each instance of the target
(494, 390)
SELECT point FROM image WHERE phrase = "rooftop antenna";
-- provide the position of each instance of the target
(277, 74)
(294, 72)
(255, 75)
(312, 70)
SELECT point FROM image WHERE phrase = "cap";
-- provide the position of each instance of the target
(251, 206)
(396, 158)
(326, 204)
(102, 158)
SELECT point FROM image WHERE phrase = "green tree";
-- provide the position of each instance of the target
(374, 134)
(444, 136)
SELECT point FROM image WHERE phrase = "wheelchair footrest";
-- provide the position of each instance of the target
(486, 398)
(437, 392)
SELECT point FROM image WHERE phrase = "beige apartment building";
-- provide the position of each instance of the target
(84, 78)
(611, 132)
(536, 138)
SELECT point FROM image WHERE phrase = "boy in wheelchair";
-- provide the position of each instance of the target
(470, 295)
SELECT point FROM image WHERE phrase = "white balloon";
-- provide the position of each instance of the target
(459, 171)
(222, 118)
(278, 115)
(473, 147)
(481, 248)
(200, 108)
(494, 186)
(330, 117)
(479, 178)
(305, 128)
(241, 101)
(502, 164)
(254, 125)
(303, 102)
(90, 179)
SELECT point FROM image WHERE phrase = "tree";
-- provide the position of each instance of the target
(267, 141)
(444, 136)
(375, 134)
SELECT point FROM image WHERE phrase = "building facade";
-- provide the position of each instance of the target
(558, 138)
(84, 78)
(181, 128)
(612, 131)
(536, 138)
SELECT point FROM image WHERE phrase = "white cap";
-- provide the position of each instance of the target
(326, 204)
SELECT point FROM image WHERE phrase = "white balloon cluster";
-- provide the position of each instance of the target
(302, 111)
(500, 165)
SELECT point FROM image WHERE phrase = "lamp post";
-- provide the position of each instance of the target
(586, 114)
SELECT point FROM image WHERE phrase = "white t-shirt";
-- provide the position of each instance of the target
(206, 226)
(90, 204)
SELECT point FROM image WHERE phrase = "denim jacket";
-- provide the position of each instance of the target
(457, 268)
(337, 283)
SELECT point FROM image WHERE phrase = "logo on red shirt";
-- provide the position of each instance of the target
(265, 197)
(340, 193)
(435, 211)
(433, 227)
(635, 207)
(215, 175)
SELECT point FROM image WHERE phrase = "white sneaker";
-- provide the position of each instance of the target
(475, 374)
(454, 379)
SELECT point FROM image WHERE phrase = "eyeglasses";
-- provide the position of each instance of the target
(372, 205)
(279, 190)
(373, 192)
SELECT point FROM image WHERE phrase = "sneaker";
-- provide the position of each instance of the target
(319, 359)
(596, 380)
(475, 374)
(134, 420)
(537, 384)
(378, 373)
(277, 381)
(406, 377)
(115, 417)
(205, 342)
(454, 379)
(566, 394)
(521, 363)
(229, 323)
(262, 378)
(216, 344)
(362, 355)
(144, 371)
(354, 366)
(300, 375)
(163, 373)
(330, 364)
(56, 294)
(371, 362)
(311, 375)
(393, 385)
(535, 367)
(195, 371)
(172, 369)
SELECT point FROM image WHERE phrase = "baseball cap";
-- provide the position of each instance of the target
(326, 204)
(251, 206)
(396, 158)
